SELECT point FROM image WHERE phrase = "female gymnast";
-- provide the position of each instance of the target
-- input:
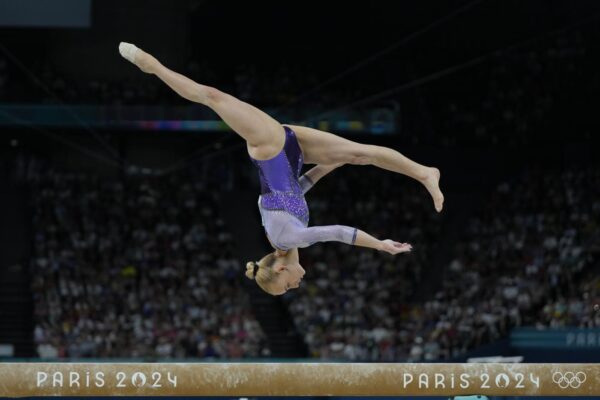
(279, 151)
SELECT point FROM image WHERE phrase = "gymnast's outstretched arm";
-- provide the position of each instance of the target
(296, 235)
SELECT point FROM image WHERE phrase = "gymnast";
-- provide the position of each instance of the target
(279, 151)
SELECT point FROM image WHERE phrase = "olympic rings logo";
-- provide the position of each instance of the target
(569, 379)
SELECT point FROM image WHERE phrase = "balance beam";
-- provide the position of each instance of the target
(297, 379)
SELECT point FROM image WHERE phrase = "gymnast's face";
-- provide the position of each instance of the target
(289, 276)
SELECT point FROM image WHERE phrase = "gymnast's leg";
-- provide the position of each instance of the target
(260, 131)
(321, 147)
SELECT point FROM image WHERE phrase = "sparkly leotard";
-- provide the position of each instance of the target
(282, 206)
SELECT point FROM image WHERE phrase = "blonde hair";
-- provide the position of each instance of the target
(265, 273)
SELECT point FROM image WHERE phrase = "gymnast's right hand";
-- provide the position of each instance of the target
(393, 247)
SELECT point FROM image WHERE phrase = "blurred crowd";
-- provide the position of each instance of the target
(518, 262)
(578, 309)
(135, 267)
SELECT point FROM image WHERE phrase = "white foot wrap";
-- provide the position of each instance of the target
(128, 51)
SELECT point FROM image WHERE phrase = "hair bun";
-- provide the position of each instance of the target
(250, 269)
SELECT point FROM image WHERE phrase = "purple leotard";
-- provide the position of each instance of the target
(282, 206)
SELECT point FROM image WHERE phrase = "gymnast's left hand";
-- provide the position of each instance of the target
(394, 247)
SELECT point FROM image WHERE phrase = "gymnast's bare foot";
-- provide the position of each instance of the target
(431, 181)
(139, 57)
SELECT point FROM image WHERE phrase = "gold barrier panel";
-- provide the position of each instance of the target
(297, 379)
